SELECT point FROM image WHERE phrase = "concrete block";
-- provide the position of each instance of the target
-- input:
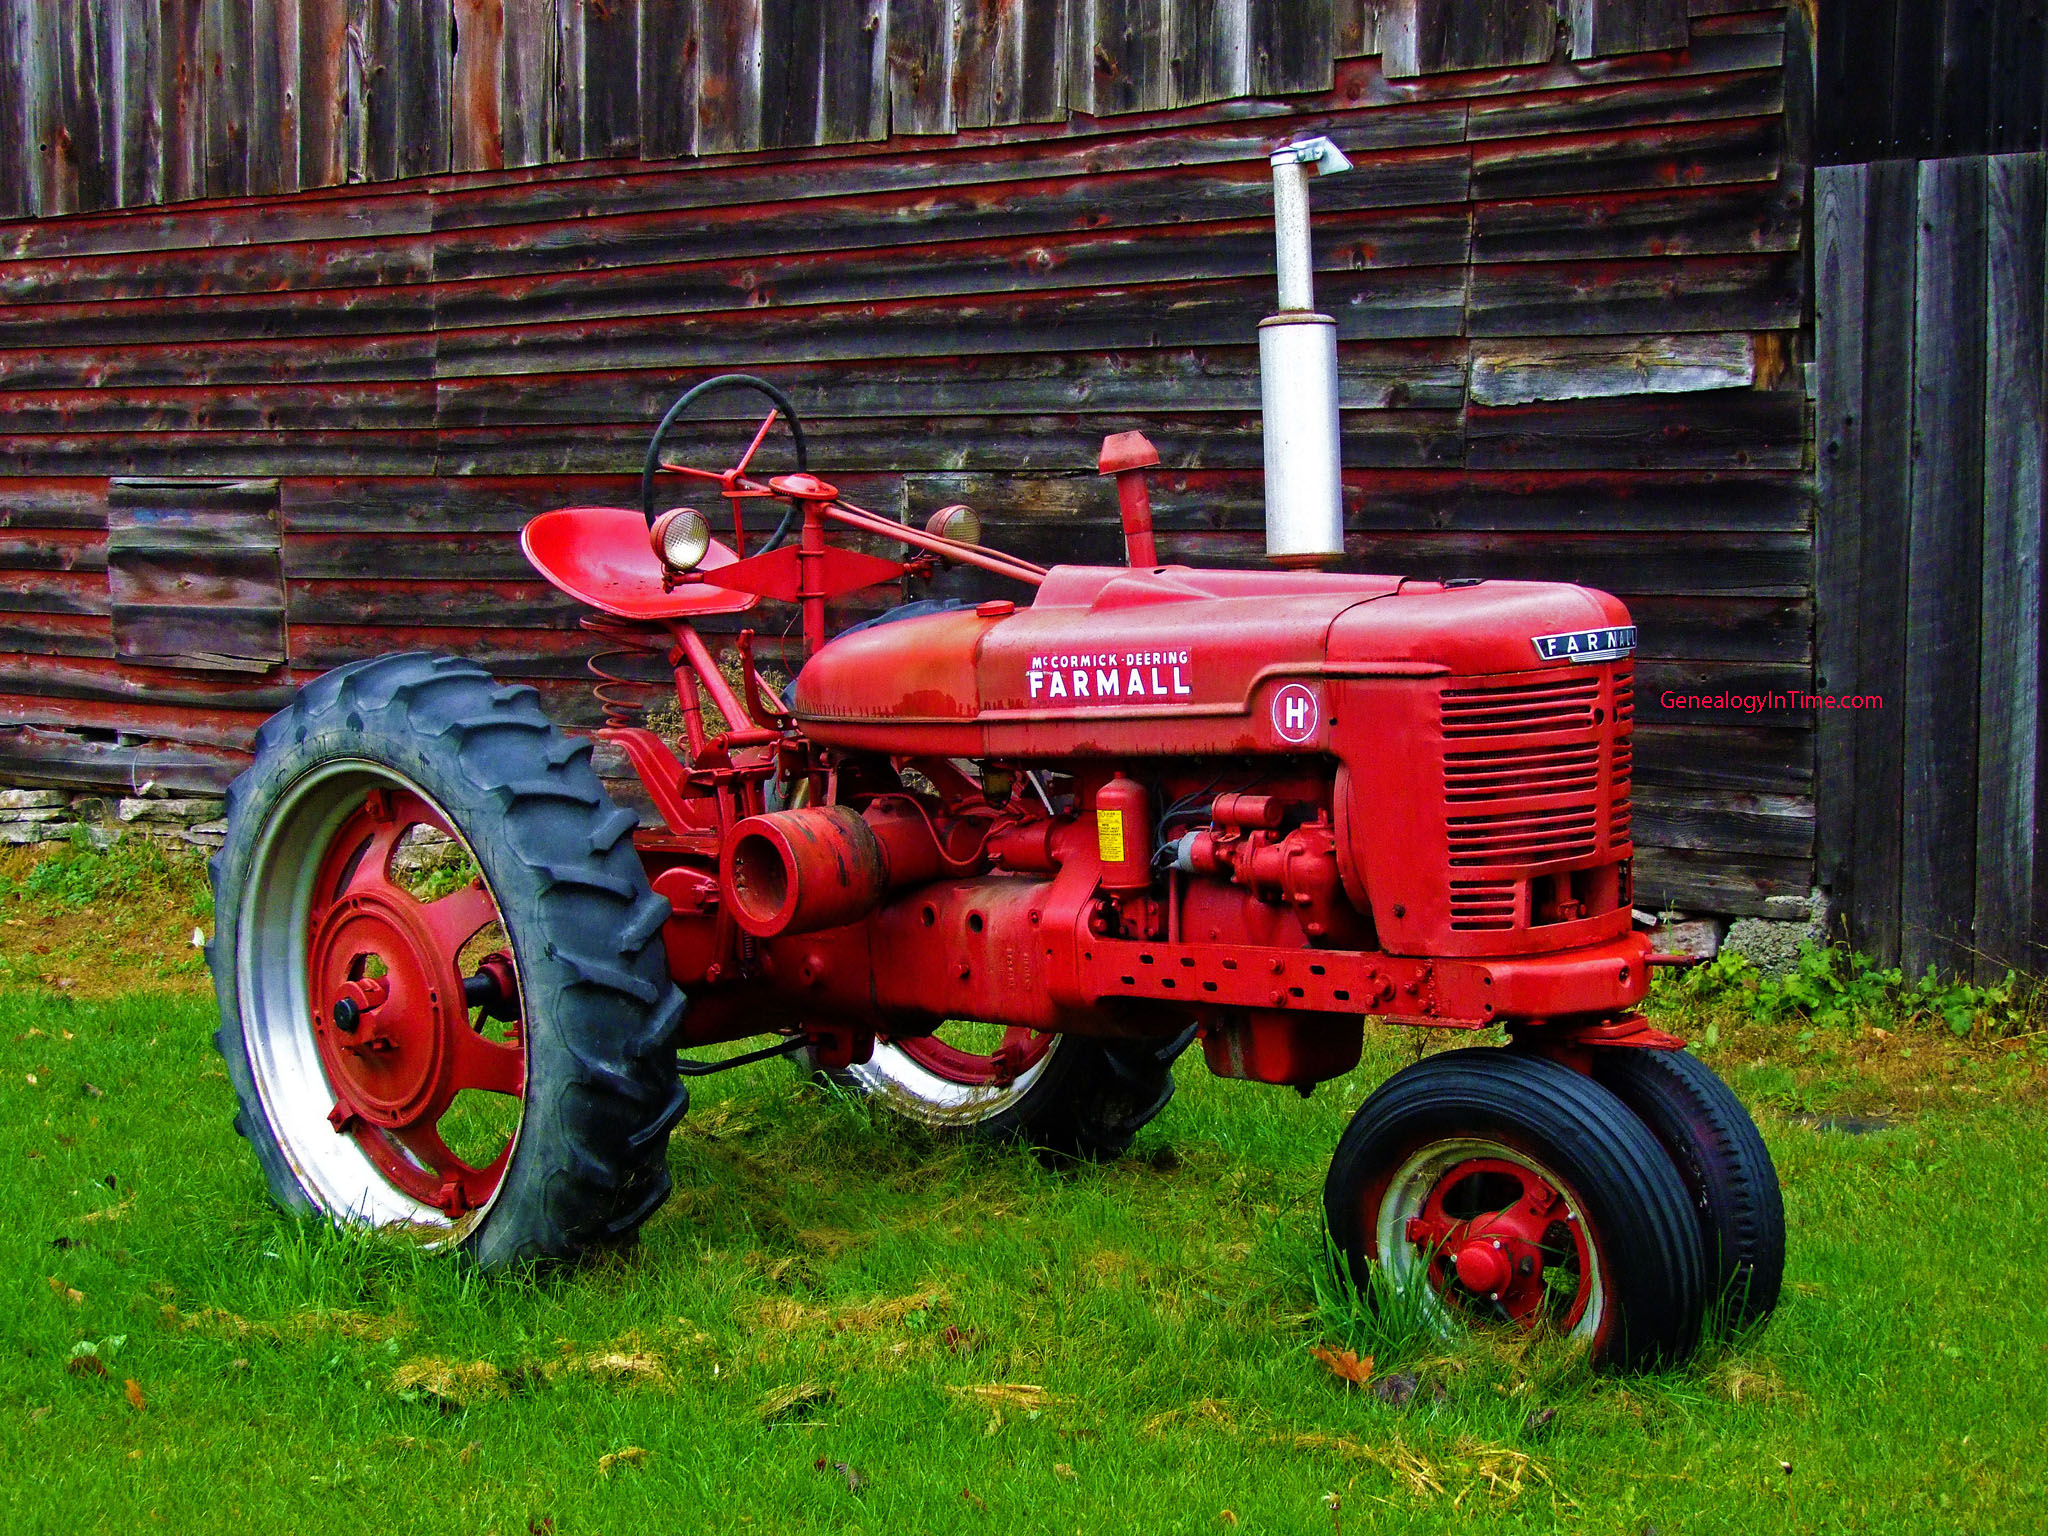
(1701, 936)
(182, 812)
(20, 833)
(33, 799)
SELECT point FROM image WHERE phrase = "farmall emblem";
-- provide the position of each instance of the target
(1610, 644)
(1296, 713)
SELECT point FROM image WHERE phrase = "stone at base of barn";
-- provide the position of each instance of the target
(1772, 944)
(40, 816)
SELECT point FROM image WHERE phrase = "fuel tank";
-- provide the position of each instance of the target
(1110, 662)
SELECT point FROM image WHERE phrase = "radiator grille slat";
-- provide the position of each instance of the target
(1515, 797)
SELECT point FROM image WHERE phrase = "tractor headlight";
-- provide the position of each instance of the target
(681, 538)
(959, 522)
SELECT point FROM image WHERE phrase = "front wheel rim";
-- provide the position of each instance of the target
(355, 1013)
(1486, 1233)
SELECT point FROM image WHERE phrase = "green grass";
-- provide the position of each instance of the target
(988, 1345)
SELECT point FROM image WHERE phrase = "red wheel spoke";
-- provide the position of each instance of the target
(487, 1065)
(372, 871)
(459, 917)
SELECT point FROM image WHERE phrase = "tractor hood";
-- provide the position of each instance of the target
(1103, 645)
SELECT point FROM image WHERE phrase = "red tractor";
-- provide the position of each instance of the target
(1127, 808)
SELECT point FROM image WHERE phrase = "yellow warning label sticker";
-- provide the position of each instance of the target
(1109, 836)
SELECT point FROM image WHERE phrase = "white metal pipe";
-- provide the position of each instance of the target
(1298, 378)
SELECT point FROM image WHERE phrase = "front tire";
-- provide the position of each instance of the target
(1505, 1188)
(1727, 1171)
(354, 1034)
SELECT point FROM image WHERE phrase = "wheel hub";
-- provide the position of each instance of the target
(1501, 1239)
(384, 1038)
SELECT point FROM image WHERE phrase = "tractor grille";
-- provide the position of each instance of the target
(1478, 905)
(1624, 755)
(1534, 773)
(1521, 709)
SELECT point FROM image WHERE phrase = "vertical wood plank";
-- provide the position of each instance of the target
(226, 52)
(1966, 96)
(14, 126)
(406, 78)
(611, 77)
(1291, 44)
(567, 82)
(854, 101)
(1007, 62)
(526, 99)
(1355, 28)
(357, 69)
(273, 99)
(42, 125)
(1210, 56)
(1422, 37)
(1944, 547)
(1841, 263)
(80, 164)
(476, 83)
(728, 76)
(1915, 95)
(1600, 28)
(792, 71)
(1127, 54)
(323, 92)
(668, 77)
(179, 89)
(2015, 413)
(1891, 205)
(921, 51)
(2019, 73)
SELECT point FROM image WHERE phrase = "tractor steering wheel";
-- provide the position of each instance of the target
(653, 462)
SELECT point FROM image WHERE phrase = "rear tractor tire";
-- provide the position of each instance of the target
(491, 1064)
(1497, 1188)
(1069, 1095)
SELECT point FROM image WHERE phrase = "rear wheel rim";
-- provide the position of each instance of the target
(1488, 1234)
(368, 1056)
(958, 1082)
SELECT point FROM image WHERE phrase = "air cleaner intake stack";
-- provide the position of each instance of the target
(1298, 378)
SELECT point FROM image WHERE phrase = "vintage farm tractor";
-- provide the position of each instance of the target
(1127, 808)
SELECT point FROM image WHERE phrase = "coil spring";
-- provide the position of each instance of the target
(625, 699)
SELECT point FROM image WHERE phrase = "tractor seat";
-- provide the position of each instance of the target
(600, 556)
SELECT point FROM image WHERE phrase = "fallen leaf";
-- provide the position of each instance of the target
(792, 1402)
(1015, 1394)
(132, 1390)
(1539, 1422)
(86, 1365)
(37, 1415)
(112, 1212)
(449, 1385)
(1396, 1390)
(239, 1363)
(961, 1341)
(92, 1091)
(630, 1456)
(469, 1452)
(67, 1242)
(1345, 1365)
(1062, 1470)
(855, 1481)
(973, 1498)
(70, 1293)
(1227, 1516)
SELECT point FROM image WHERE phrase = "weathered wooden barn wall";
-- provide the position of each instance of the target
(1570, 285)
(1932, 261)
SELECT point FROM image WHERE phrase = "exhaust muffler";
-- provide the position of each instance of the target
(1298, 378)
